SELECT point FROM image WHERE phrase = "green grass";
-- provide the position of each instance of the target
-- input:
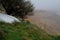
(24, 31)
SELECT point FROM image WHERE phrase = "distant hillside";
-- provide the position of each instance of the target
(50, 20)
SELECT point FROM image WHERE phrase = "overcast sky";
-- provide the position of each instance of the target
(47, 4)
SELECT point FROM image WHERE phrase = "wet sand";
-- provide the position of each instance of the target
(49, 21)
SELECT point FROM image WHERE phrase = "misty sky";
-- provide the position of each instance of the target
(47, 4)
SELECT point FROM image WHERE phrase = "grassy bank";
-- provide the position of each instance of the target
(23, 31)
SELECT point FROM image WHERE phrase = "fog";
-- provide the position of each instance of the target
(51, 17)
(46, 4)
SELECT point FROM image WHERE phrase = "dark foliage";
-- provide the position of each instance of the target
(2, 34)
(18, 8)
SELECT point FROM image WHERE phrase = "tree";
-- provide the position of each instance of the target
(18, 8)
